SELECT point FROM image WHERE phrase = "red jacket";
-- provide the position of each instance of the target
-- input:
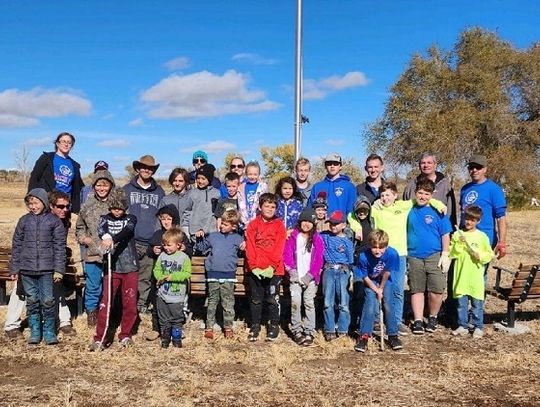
(265, 241)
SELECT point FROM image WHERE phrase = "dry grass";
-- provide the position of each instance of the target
(431, 370)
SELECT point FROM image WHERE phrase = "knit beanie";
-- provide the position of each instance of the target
(207, 170)
(320, 201)
(40, 194)
(308, 215)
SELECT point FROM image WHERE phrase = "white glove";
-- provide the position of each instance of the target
(444, 262)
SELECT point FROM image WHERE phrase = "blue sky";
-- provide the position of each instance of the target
(170, 77)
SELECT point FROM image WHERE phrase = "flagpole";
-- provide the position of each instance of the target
(298, 83)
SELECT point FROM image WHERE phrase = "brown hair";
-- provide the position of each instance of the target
(378, 238)
(473, 212)
(425, 184)
(179, 171)
(56, 195)
(231, 216)
(231, 176)
(267, 197)
(373, 157)
(387, 185)
(302, 161)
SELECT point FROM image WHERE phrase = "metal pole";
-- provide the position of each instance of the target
(298, 83)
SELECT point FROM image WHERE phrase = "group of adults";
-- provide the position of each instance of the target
(57, 171)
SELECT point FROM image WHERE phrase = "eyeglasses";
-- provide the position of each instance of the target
(332, 163)
(233, 166)
(65, 142)
(63, 207)
(477, 167)
(199, 160)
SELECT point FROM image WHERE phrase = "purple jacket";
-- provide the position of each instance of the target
(317, 251)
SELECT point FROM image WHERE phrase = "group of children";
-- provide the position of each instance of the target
(364, 252)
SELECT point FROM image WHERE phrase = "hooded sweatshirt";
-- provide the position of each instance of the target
(356, 224)
(265, 242)
(222, 257)
(181, 201)
(143, 204)
(201, 203)
(317, 252)
(340, 193)
(39, 241)
(158, 234)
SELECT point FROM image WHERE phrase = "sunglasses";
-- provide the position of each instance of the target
(199, 160)
(334, 163)
(471, 167)
(63, 207)
(233, 166)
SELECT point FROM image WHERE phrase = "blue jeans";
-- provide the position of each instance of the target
(477, 312)
(39, 295)
(335, 289)
(371, 310)
(94, 285)
(398, 296)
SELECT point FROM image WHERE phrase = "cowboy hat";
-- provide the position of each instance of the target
(147, 161)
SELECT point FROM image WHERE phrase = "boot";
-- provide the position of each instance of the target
(165, 337)
(49, 331)
(34, 323)
(176, 334)
(91, 318)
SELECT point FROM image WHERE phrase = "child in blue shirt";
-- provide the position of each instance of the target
(338, 261)
(289, 204)
(375, 267)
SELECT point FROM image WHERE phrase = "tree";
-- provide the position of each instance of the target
(278, 161)
(483, 96)
(21, 161)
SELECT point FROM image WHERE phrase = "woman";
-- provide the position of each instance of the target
(57, 171)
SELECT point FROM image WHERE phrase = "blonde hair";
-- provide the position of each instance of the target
(378, 238)
(173, 235)
(231, 216)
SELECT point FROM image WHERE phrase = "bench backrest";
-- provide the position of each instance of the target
(526, 283)
(198, 277)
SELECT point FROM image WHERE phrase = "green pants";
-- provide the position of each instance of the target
(224, 292)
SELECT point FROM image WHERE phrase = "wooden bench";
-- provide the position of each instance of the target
(198, 277)
(72, 279)
(525, 286)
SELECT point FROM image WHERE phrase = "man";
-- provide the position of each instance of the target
(200, 158)
(301, 176)
(144, 195)
(59, 205)
(443, 188)
(370, 187)
(489, 196)
(340, 191)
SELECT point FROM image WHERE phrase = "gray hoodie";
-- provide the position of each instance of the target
(199, 202)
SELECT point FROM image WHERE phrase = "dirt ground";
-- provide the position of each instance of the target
(435, 369)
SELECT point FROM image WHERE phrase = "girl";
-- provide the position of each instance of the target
(179, 181)
(250, 192)
(289, 203)
(303, 259)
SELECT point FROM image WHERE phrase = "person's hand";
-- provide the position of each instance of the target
(289, 231)
(242, 246)
(462, 239)
(13, 277)
(293, 276)
(475, 255)
(377, 205)
(443, 210)
(444, 262)
(500, 250)
(106, 244)
(306, 279)
(351, 285)
(199, 233)
(379, 292)
(57, 277)
(87, 240)
(156, 250)
(358, 234)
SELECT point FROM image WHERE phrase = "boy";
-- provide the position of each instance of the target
(376, 266)
(230, 201)
(472, 251)
(265, 241)
(301, 171)
(201, 202)
(338, 258)
(428, 241)
(172, 272)
(39, 258)
(321, 209)
(360, 224)
(117, 232)
(220, 265)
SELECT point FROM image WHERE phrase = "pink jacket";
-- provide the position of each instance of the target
(289, 255)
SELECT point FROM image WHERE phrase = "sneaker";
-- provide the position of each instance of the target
(395, 342)
(329, 336)
(308, 340)
(254, 333)
(361, 343)
(417, 327)
(14, 334)
(272, 332)
(209, 333)
(67, 330)
(299, 338)
(478, 333)
(403, 330)
(432, 324)
(95, 346)
(127, 342)
(228, 333)
(460, 331)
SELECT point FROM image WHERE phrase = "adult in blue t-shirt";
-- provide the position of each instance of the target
(489, 196)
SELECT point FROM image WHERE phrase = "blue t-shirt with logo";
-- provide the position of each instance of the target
(490, 197)
(250, 191)
(373, 267)
(63, 173)
(425, 228)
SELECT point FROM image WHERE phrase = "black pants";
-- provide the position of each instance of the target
(263, 290)
(170, 315)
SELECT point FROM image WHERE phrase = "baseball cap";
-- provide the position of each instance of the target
(478, 159)
(336, 217)
(333, 157)
(101, 165)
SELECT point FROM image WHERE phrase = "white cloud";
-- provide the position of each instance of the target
(335, 142)
(177, 64)
(204, 94)
(136, 122)
(19, 108)
(114, 143)
(254, 59)
(319, 89)
(215, 146)
(39, 142)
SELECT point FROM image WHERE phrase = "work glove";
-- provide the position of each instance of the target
(257, 272)
(500, 250)
(57, 277)
(306, 279)
(293, 276)
(444, 262)
(268, 272)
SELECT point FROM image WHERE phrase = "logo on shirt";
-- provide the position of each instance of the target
(378, 269)
(338, 191)
(471, 197)
(428, 219)
(65, 171)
